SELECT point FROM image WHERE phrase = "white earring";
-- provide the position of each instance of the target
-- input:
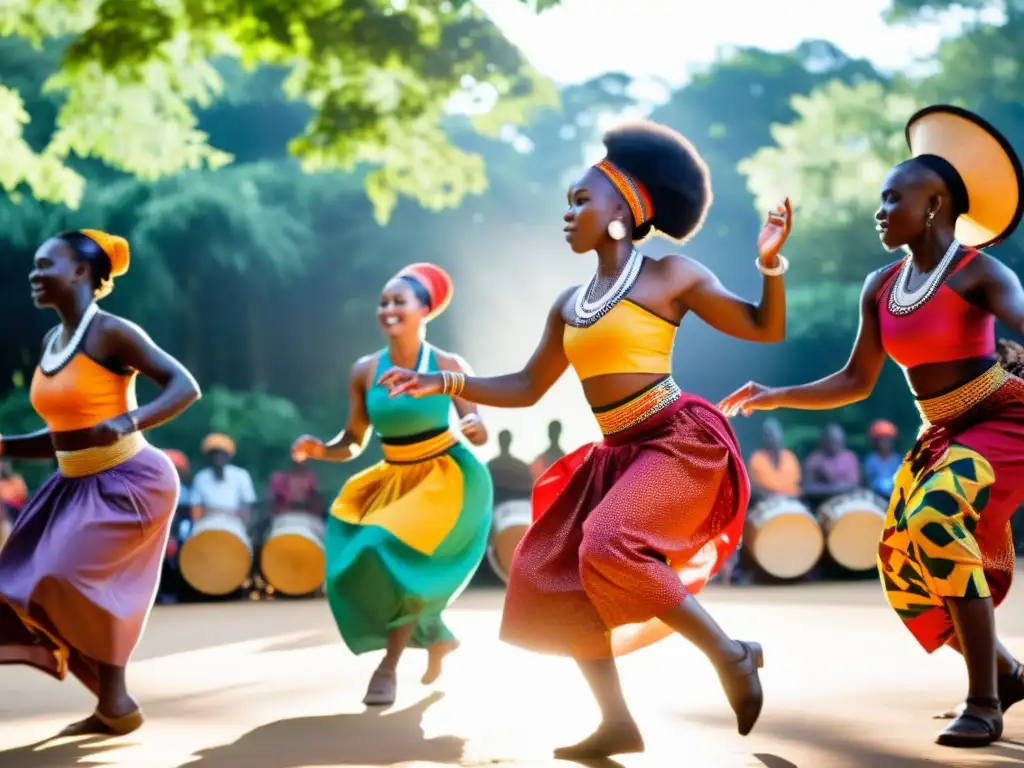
(616, 229)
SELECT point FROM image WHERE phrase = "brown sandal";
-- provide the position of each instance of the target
(1011, 691)
(98, 724)
(742, 686)
(382, 688)
(978, 723)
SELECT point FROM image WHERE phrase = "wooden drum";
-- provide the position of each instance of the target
(5, 528)
(783, 537)
(853, 524)
(511, 519)
(293, 560)
(216, 559)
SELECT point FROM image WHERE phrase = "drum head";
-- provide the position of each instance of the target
(502, 547)
(215, 562)
(788, 545)
(293, 564)
(853, 539)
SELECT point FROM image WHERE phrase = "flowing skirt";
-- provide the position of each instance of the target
(624, 530)
(403, 541)
(79, 573)
(947, 530)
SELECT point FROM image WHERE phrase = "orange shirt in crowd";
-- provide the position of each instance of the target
(782, 479)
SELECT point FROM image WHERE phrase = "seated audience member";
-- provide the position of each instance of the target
(881, 465)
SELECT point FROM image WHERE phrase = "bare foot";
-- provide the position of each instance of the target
(609, 739)
(435, 660)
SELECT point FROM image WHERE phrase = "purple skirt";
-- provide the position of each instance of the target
(79, 572)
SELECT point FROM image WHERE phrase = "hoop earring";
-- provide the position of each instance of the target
(616, 229)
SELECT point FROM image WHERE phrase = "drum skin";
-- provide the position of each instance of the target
(783, 537)
(853, 524)
(510, 521)
(216, 559)
(293, 559)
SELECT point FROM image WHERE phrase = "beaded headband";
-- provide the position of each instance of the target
(632, 191)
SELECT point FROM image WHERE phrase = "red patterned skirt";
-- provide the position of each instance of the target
(624, 530)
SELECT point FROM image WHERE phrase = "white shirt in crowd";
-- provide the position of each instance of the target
(234, 490)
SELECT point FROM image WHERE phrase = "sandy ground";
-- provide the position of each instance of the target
(268, 685)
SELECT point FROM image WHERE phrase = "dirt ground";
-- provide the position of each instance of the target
(269, 685)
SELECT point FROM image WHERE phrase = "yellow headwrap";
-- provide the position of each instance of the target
(116, 248)
(218, 442)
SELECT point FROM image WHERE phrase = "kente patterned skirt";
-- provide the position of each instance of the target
(404, 538)
(627, 528)
(947, 531)
(79, 573)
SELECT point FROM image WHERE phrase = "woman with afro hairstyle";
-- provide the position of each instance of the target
(627, 530)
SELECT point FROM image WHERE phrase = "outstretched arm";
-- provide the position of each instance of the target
(470, 421)
(34, 445)
(513, 390)
(851, 384)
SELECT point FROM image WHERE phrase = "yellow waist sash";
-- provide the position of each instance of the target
(413, 453)
(92, 461)
(936, 410)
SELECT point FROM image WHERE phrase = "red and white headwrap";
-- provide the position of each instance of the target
(435, 281)
(632, 191)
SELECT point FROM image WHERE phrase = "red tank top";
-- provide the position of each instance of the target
(947, 327)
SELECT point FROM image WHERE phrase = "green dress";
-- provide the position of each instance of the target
(405, 536)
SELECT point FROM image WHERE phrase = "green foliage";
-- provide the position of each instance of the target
(379, 77)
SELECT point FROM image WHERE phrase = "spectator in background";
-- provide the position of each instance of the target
(831, 468)
(221, 486)
(552, 453)
(295, 490)
(881, 465)
(774, 469)
(512, 478)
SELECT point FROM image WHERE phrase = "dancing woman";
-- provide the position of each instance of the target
(79, 573)
(405, 536)
(600, 571)
(946, 556)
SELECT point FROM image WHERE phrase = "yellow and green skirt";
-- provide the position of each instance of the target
(404, 538)
(947, 530)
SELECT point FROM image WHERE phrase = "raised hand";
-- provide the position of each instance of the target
(308, 447)
(774, 233)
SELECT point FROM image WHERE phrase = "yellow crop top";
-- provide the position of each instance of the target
(629, 339)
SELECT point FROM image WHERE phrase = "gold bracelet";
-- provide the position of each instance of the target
(445, 383)
(458, 383)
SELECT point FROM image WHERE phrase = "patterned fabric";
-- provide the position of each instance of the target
(623, 531)
(947, 530)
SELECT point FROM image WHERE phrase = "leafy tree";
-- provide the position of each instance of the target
(379, 77)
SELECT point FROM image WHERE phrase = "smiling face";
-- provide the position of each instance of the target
(399, 310)
(909, 194)
(55, 273)
(593, 204)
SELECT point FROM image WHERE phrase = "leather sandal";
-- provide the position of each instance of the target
(1011, 691)
(382, 688)
(742, 686)
(978, 723)
(98, 724)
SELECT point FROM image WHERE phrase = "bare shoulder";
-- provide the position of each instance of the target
(112, 326)
(561, 308)
(450, 361)
(678, 270)
(875, 280)
(985, 265)
(363, 368)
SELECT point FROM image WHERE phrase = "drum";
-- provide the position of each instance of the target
(783, 537)
(293, 560)
(5, 528)
(853, 524)
(511, 519)
(216, 558)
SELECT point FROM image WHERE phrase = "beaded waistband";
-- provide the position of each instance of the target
(639, 408)
(92, 461)
(422, 450)
(936, 410)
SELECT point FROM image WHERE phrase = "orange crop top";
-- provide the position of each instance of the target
(82, 394)
(628, 339)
